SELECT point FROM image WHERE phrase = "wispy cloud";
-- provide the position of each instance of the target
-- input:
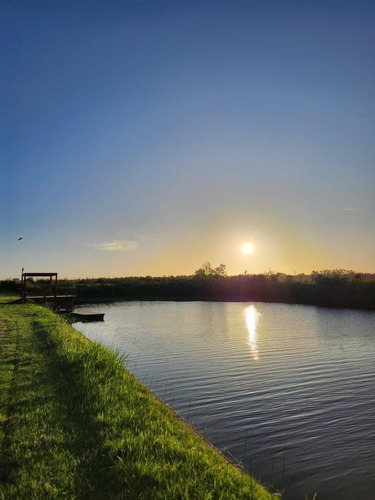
(345, 209)
(114, 246)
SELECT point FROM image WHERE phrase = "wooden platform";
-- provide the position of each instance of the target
(50, 297)
(57, 302)
(88, 316)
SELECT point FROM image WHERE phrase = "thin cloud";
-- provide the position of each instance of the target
(114, 246)
(345, 209)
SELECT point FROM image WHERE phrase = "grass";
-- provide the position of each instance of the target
(6, 297)
(75, 424)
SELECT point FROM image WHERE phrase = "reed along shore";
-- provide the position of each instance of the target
(74, 423)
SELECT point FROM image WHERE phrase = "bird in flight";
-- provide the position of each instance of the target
(20, 239)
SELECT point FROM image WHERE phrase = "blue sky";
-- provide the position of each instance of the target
(149, 137)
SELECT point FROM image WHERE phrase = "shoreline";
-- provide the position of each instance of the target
(84, 423)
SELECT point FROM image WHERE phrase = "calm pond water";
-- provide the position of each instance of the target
(288, 390)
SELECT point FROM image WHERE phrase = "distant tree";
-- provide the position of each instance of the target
(220, 270)
(208, 271)
(204, 271)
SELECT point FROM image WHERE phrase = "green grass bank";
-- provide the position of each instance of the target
(75, 424)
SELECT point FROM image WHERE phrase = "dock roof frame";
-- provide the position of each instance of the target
(39, 275)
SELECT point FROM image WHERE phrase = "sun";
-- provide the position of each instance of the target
(247, 248)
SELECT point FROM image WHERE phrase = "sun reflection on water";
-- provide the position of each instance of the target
(252, 317)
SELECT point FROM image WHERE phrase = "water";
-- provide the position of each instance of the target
(288, 390)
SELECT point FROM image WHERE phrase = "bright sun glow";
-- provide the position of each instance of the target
(247, 248)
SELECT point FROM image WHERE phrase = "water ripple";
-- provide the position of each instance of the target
(295, 384)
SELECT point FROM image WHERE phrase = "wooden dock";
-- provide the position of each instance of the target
(88, 316)
(50, 298)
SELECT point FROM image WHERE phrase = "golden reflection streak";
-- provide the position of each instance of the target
(252, 316)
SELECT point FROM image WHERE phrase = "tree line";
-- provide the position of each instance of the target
(337, 288)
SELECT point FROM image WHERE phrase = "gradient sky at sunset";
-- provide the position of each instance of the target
(147, 137)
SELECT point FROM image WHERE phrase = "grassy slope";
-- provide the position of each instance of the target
(5, 297)
(75, 424)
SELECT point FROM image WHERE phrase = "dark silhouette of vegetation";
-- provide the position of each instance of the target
(338, 288)
(207, 271)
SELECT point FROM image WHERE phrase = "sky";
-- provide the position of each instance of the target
(148, 137)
